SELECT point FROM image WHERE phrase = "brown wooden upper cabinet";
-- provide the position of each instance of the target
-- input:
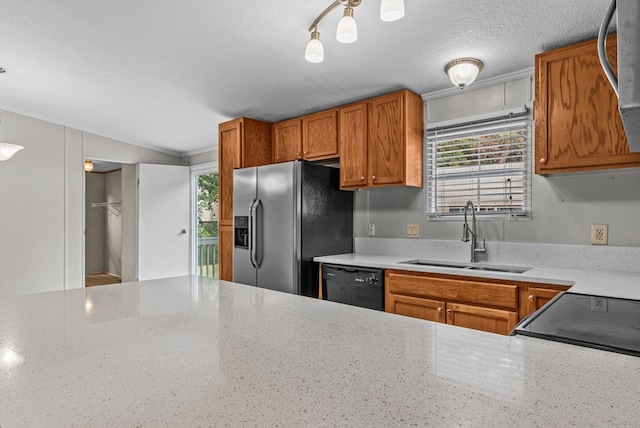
(380, 141)
(242, 142)
(578, 125)
(287, 140)
(320, 135)
(310, 137)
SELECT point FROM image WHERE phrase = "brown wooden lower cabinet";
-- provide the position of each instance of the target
(536, 296)
(477, 303)
(225, 235)
(479, 318)
(426, 309)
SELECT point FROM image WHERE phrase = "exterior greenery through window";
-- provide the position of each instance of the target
(207, 254)
(484, 162)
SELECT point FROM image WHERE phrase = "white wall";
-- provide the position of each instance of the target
(41, 201)
(563, 206)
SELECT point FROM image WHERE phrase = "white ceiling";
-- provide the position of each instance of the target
(164, 73)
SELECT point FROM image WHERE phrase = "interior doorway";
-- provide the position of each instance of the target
(106, 258)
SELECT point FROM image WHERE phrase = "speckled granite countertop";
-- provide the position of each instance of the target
(597, 282)
(197, 352)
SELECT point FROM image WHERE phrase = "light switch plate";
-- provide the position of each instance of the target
(599, 234)
(372, 229)
(412, 231)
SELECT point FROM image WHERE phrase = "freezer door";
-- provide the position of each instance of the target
(244, 195)
(278, 227)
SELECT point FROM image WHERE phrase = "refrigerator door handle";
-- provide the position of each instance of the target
(256, 234)
(252, 232)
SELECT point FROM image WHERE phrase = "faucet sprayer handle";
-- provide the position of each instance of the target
(465, 233)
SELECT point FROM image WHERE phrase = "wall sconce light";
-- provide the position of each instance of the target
(347, 30)
(7, 150)
(88, 166)
(463, 71)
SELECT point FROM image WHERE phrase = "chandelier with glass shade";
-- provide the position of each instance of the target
(347, 30)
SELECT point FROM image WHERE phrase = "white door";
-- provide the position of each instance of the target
(163, 221)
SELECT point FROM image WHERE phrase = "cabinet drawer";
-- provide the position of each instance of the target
(426, 309)
(469, 290)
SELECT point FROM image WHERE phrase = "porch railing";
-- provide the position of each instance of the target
(207, 257)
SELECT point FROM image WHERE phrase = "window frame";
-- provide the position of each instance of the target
(515, 114)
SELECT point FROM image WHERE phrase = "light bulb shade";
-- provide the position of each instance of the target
(88, 166)
(463, 71)
(314, 51)
(7, 150)
(391, 10)
(347, 31)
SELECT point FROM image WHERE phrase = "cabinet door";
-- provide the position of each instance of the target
(256, 147)
(225, 234)
(353, 146)
(229, 157)
(386, 140)
(426, 309)
(287, 140)
(320, 135)
(478, 318)
(578, 125)
(537, 297)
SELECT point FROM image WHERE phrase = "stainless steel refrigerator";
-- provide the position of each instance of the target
(284, 215)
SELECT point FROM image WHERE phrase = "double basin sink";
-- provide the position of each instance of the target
(469, 266)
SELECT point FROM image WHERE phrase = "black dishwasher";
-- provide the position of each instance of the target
(352, 285)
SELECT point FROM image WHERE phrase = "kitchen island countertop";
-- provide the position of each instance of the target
(192, 351)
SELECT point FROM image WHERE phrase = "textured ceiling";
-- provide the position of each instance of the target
(163, 74)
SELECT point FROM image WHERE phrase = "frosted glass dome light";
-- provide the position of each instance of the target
(463, 71)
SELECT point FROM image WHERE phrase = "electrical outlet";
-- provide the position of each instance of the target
(599, 234)
(372, 229)
(412, 231)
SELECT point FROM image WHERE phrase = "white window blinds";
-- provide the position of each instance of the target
(485, 162)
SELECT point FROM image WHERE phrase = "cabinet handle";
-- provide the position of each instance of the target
(373, 177)
(448, 311)
(543, 160)
(306, 153)
(362, 178)
(298, 154)
(439, 309)
(531, 298)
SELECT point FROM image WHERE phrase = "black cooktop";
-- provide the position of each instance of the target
(607, 323)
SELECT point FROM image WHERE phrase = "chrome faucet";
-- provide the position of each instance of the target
(474, 235)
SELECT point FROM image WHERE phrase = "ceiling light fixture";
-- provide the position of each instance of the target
(347, 30)
(88, 166)
(463, 71)
(7, 150)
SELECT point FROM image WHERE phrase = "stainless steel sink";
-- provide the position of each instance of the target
(509, 269)
(470, 266)
(438, 263)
